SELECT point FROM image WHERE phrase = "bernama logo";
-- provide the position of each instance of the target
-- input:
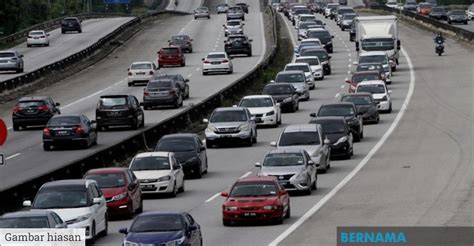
(372, 237)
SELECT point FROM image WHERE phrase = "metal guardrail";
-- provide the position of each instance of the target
(12, 197)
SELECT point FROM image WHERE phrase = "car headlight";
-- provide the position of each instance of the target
(211, 128)
(384, 98)
(286, 100)
(165, 178)
(330, 42)
(270, 113)
(341, 140)
(244, 127)
(82, 218)
(178, 241)
(128, 243)
(119, 197)
(192, 159)
(230, 208)
(272, 207)
(318, 69)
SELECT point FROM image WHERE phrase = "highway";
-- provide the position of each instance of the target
(64, 45)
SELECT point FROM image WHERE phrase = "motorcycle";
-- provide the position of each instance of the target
(439, 47)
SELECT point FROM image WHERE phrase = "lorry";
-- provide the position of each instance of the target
(378, 33)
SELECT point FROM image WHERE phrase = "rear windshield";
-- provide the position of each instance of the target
(25, 222)
(214, 56)
(358, 100)
(299, 138)
(169, 51)
(277, 90)
(371, 88)
(113, 101)
(160, 84)
(6, 54)
(229, 116)
(108, 180)
(36, 33)
(64, 120)
(150, 163)
(336, 111)
(70, 20)
(310, 61)
(297, 68)
(364, 77)
(290, 78)
(321, 54)
(26, 104)
(176, 145)
(138, 66)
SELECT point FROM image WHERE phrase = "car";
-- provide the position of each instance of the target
(217, 62)
(333, 13)
(163, 228)
(237, 45)
(375, 67)
(244, 6)
(323, 56)
(323, 35)
(457, 16)
(341, 10)
(392, 4)
(119, 110)
(378, 57)
(293, 168)
(302, 28)
(297, 12)
(255, 198)
(329, 8)
(470, 12)
(283, 93)
(171, 56)
(438, 13)
(121, 190)
(188, 149)
(141, 72)
(424, 8)
(340, 137)
(309, 137)
(365, 104)
(79, 202)
(308, 43)
(310, 18)
(158, 173)
(346, 20)
(360, 76)
(162, 92)
(235, 13)
(230, 123)
(264, 108)
(202, 12)
(233, 27)
(379, 92)
(183, 41)
(297, 79)
(347, 110)
(31, 219)
(410, 5)
(352, 32)
(33, 111)
(71, 24)
(315, 65)
(304, 48)
(179, 79)
(308, 72)
(11, 60)
(67, 129)
(222, 8)
(37, 37)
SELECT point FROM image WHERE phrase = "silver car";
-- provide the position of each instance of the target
(202, 12)
(309, 137)
(233, 27)
(293, 168)
(235, 13)
(222, 8)
(11, 61)
(297, 79)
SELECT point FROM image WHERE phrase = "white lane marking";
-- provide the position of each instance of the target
(91, 95)
(9, 128)
(342, 86)
(213, 197)
(349, 54)
(189, 75)
(337, 95)
(197, 69)
(350, 60)
(348, 50)
(349, 65)
(246, 174)
(348, 72)
(12, 156)
(362, 163)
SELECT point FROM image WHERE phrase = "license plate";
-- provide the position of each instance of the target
(113, 113)
(215, 62)
(62, 133)
(250, 214)
(159, 94)
(283, 182)
(30, 111)
(141, 73)
(258, 120)
(36, 38)
(226, 136)
(147, 187)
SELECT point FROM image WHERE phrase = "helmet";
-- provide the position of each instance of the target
(440, 34)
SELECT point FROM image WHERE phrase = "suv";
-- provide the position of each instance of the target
(178, 78)
(323, 56)
(341, 11)
(119, 110)
(347, 110)
(11, 61)
(202, 12)
(33, 111)
(298, 79)
(323, 35)
(233, 123)
(172, 55)
(71, 24)
(285, 94)
(457, 16)
(235, 13)
(183, 41)
(162, 92)
(238, 44)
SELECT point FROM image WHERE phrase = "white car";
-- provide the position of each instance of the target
(265, 110)
(380, 93)
(37, 37)
(141, 72)
(392, 4)
(158, 172)
(470, 12)
(303, 18)
(79, 202)
(217, 62)
(306, 68)
(314, 63)
(233, 27)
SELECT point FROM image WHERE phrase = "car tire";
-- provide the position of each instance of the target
(389, 109)
(356, 138)
(249, 141)
(16, 127)
(80, 30)
(227, 222)
(342, 28)
(47, 44)
(208, 17)
(136, 124)
(181, 190)
(105, 232)
(449, 22)
(46, 146)
(140, 208)
(183, 64)
(309, 190)
(198, 171)
(95, 139)
(314, 185)
(142, 124)
(130, 84)
(204, 73)
(288, 212)
(254, 140)
(93, 234)
(28, 45)
(249, 54)
(209, 144)
(175, 190)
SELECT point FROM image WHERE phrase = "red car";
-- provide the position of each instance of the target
(171, 56)
(358, 77)
(121, 190)
(256, 198)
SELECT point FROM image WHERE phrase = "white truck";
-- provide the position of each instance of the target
(378, 33)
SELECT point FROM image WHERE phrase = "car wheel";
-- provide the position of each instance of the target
(389, 109)
(204, 73)
(356, 138)
(93, 234)
(249, 141)
(309, 190)
(174, 191)
(143, 121)
(46, 146)
(183, 64)
(314, 185)
(227, 222)
(16, 127)
(254, 140)
(198, 171)
(378, 119)
(342, 28)
(182, 188)
(140, 208)
(209, 144)
(28, 45)
(136, 124)
(195, 18)
(130, 84)
(95, 139)
(288, 212)
(80, 31)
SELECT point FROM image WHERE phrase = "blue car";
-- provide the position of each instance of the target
(163, 228)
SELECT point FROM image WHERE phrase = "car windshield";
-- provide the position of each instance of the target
(437, 10)
(108, 180)
(373, 58)
(150, 163)
(324, 36)
(277, 90)
(358, 100)
(236, 39)
(357, 78)
(180, 39)
(36, 33)
(228, 116)
(176, 145)
(64, 120)
(244, 189)
(371, 88)
(457, 12)
(290, 78)
(138, 66)
(377, 44)
(321, 54)
(307, 18)
(310, 61)
(56, 198)
(215, 56)
(336, 111)
(157, 223)
(283, 159)
(27, 104)
(298, 68)
(331, 126)
(25, 222)
(169, 51)
(233, 23)
(113, 101)
(299, 138)
(256, 102)
(349, 16)
(6, 54)
(304, 25)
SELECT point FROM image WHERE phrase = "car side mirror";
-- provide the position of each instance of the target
(123, 231)
(258, 164)
(224, 194)
(205, 121)
(313, 115)
(27, 203)
(278, 105)
(57, 104)
(96, 200)
(272, 81)
(332, 36)
(192, 227)
(310, 163)
(273, 144)
(186, 80)
(329, 57)
(326, 141)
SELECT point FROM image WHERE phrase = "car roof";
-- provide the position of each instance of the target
(285, 150)
(357, 94)
(297, 64)
(216, 53)
(142, 62)
(290, 72)
(256, 96)
(300, 127)
(107, 170)
(371, 82)
(168, 212)
(256, 179)
(306, 15)
(108, 96)
(34, 98)
(155, 153)
(229, 109)
(337, 104)
(319, 29)
(310, 39)
(31, 213)
(307, 57)
(179, 135)
(373, 53)
(67, 182)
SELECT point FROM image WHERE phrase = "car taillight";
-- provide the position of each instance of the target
(151, 73)
(43, 37)
(79, 130)
(225, 61)
(206, 61)
(130, 74)
(17, 109)
(46, 132)
(43, 108)
(145, 92)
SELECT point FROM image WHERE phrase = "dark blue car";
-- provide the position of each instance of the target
(163, 228)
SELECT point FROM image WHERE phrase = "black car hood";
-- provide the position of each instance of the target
(184, 156)
(333, 137)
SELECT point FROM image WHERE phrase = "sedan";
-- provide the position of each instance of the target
(297, 79)
(66, 129)
(162, 92)
(457, 16)
(285, 94)
(315, 65)
(163, 228)
(141, 72)
(365, 104)
(380, 93)
(182, 41)
(222, 8)
(31, 219)
(217, 62)
(337, 131)
(37, 37)
(348, 111)
(179, 79)
(264, 108)
(233, 27)
(202, 12)
(307, 72)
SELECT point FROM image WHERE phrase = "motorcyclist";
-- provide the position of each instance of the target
(439, 38)
(176, 2)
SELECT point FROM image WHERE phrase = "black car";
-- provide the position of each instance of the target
(119, 110)
(324, 36)
(283, 93)
(323, 56)
(33, 111)
(66, 129)
(238, 44)
(163, 92)
(339, 134)
(457, 16)
(244, 6)
(32, 219)
(438, 13)
(365, 104)
(183, 41)
(188, 149)
(179, 79)
(71, 24)
(346, 110)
